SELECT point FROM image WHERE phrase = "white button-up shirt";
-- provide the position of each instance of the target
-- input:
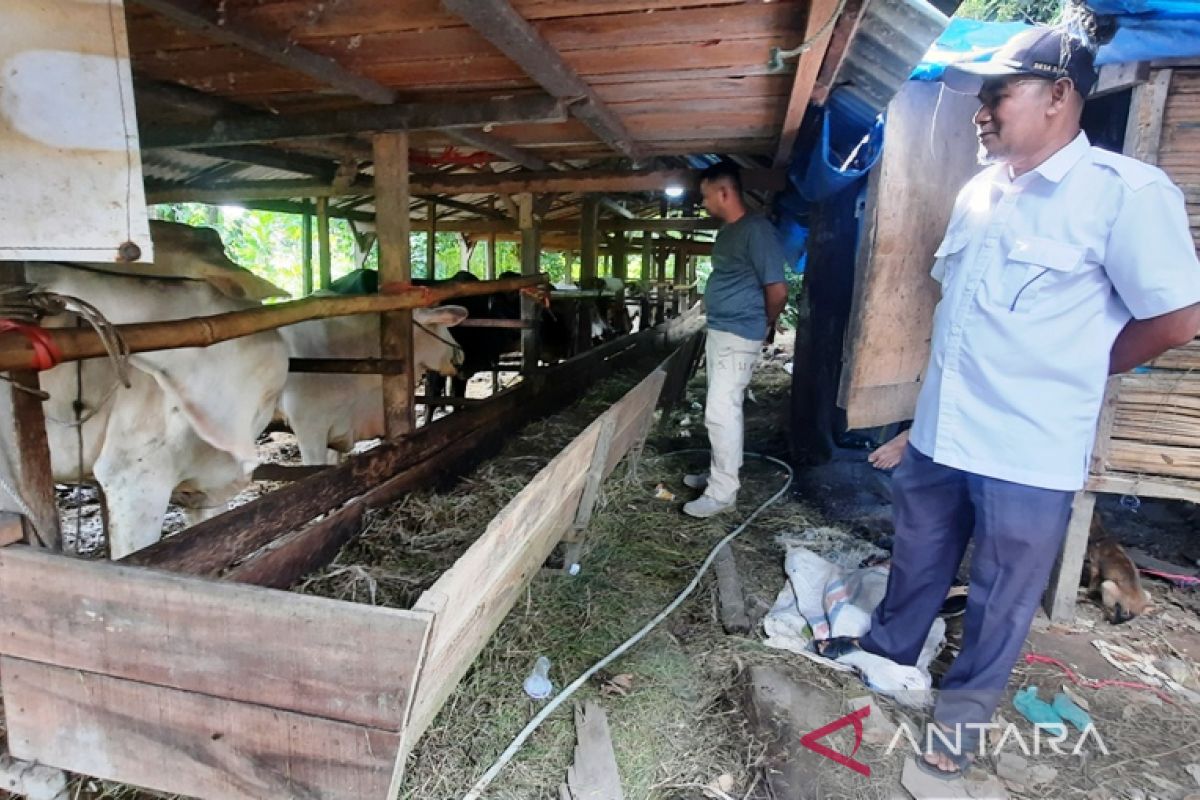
(1039, 274)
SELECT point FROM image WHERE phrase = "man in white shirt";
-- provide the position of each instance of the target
(1062, 264)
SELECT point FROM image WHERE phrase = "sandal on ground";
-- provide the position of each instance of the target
(836, 646)
(961, 760)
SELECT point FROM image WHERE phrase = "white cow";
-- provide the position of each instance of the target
(187, 426)
(330, 412)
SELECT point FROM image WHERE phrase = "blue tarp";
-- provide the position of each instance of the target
(1146, 30)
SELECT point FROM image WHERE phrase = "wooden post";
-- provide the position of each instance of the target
(1143, 131)
(395, 266)
(618, 256)
(491, 257)
(1059, 600)
(530, 265)
(587, 238)
(306, 268)
(25, 459)
(680, 279)
(660, 294)
(693, 291)
(326, 264)
(431, 240)
(647, 278)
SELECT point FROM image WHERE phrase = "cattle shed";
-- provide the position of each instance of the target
(553, 123)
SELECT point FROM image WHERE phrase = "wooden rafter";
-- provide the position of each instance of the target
(843, 34)
(210, 20)
(616, 208)
(497, 146)
(503, 26)
(578, 181)
(256, 128)
(820, 12)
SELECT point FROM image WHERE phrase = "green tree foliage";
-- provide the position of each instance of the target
(1032, 11)
(270, 244)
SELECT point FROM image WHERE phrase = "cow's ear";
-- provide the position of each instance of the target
(442, 315)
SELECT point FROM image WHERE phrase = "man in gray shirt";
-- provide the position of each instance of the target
(746, 293)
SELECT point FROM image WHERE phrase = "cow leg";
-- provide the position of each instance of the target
(137, 504)
(314, 445)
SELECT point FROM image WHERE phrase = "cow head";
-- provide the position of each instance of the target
(434, 348)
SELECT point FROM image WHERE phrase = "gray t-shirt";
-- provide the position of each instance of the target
(746, 257)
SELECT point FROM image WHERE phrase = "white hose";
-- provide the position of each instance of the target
(482, 784)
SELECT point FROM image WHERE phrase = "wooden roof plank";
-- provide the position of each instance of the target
(209, 20)
(255, 128)
(512, 34)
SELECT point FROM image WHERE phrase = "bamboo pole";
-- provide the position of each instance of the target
(75, 344)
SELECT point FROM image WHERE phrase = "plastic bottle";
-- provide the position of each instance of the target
(538, 685)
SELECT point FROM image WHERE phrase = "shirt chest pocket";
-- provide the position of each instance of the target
(1034, 266)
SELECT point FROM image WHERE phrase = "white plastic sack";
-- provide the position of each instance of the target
(821, 600)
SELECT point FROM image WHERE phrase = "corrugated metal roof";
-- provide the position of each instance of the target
(892, 37)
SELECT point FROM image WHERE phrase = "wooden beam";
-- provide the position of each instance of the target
(1118, 77)
(844, 31)
(619, 262)
(255, 128)
(574, 182)
(395, 266)
(491, 257)
(531, 252)
(320, 168)
(616, 208)
(820, 14)
(1143, 131)
(324, 248)
(182, 98)
(510, 33)
(211, 21)
(498, 147)
(587, 237)
(470, 208)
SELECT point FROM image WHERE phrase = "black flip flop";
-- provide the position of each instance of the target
(961, 760)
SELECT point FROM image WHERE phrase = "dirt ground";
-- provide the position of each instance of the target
(676, 703)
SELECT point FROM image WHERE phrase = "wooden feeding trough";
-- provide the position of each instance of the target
(168, 672)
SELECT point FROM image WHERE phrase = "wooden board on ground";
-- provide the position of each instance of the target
(729, 590)
(593, 775)
(887, 343)
(218, 639)
(187, 743)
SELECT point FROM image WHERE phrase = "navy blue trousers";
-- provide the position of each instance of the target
(1018, 532)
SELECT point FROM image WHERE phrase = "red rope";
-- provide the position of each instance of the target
(46, 354)
(1035, 658)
